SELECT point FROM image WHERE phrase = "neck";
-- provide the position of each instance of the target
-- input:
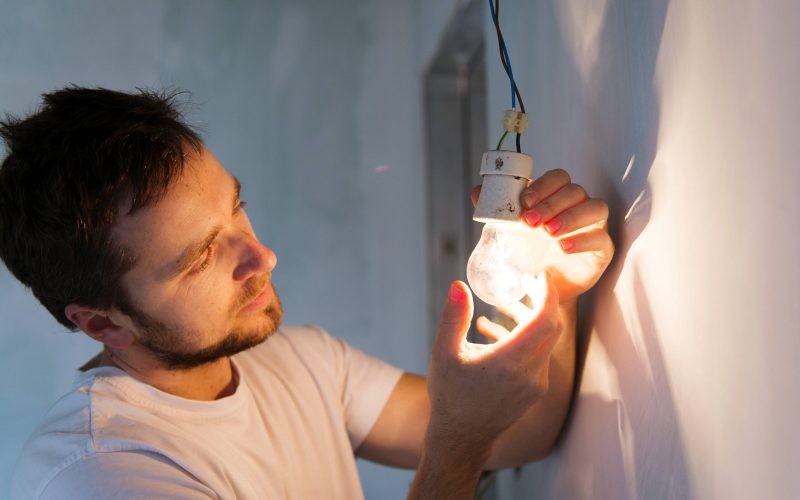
(207, 382)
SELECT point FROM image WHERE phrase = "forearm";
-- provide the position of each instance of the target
(449, 468)
(532, 436)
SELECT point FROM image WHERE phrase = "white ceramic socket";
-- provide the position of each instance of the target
(505, 174)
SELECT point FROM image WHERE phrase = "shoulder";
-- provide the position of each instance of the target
(127, 474)
(82, 429)
(63, 436)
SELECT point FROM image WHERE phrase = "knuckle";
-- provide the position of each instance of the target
(553, 324)
(530, 190)
(601, 206)
(577, 191)
(565, 221)
(545, 208)
(558, 325)
(559, 174)
(554, 327)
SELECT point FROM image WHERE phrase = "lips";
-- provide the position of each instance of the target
(260, 300)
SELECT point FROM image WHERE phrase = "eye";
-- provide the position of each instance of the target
(239, 207)
(208, 258)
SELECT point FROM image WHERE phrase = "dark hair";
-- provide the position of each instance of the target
(69, 168)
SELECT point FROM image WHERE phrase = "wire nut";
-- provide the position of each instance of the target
(515, 121)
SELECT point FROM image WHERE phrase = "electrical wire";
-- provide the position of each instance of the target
(500, 143)
(506, 59)
(501, 45)
(494, 7)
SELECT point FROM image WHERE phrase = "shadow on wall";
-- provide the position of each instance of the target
(622, 440)
(628, 437)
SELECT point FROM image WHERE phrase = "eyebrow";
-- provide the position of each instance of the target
(237, 189)
(193, 251)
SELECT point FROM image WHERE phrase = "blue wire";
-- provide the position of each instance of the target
(507, 59)
(510, 77)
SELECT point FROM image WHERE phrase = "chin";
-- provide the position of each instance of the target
(274, 311)
(267, 320)
(247, 333)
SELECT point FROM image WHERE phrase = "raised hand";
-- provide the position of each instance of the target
(478, 390)
(577, 222)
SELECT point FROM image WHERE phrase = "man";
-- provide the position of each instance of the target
(126, 227)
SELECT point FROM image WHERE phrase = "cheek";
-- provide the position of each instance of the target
(200, 303)
(209, 295)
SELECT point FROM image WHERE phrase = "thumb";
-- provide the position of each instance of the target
(456, 317)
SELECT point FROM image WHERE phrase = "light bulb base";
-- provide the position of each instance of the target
(505, 174)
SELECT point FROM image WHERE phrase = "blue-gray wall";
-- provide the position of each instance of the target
(314, 105)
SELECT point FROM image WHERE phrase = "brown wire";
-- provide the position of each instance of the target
(500, 44)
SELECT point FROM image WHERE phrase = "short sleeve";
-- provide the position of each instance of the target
(130, 475)
(366, 384)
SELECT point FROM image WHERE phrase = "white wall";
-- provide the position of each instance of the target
(328, 87)
(684, 115)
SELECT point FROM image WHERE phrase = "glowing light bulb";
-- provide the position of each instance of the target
(503, 266)
(507, 258)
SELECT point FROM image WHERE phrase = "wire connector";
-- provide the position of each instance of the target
(515, 121)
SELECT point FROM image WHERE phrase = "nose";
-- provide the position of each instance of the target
(254, 258)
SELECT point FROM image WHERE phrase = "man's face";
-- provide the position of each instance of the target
(201, 287)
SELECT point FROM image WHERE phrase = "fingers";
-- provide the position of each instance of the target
(516, 311)
(596, 240)
(543, 326)
(543, 187)
(456, 318)
(591, 211)
(490, 329)
(474, 195)
(561, 208)
(540, 189)
(563, 199)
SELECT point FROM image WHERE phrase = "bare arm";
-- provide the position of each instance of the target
(398, 436)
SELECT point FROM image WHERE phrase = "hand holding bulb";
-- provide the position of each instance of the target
(562, 212)
(469, 382)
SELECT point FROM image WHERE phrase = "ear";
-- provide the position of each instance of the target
(99, 326)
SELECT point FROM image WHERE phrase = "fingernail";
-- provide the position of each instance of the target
(532, 217)
(456, 293)
(567, 244)
(528, 199)
(552, 226)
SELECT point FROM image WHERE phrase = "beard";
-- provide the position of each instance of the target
(169, 344)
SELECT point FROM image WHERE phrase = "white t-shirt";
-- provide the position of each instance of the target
(304, 402)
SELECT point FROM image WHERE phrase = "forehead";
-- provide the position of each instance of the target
(160, 231)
